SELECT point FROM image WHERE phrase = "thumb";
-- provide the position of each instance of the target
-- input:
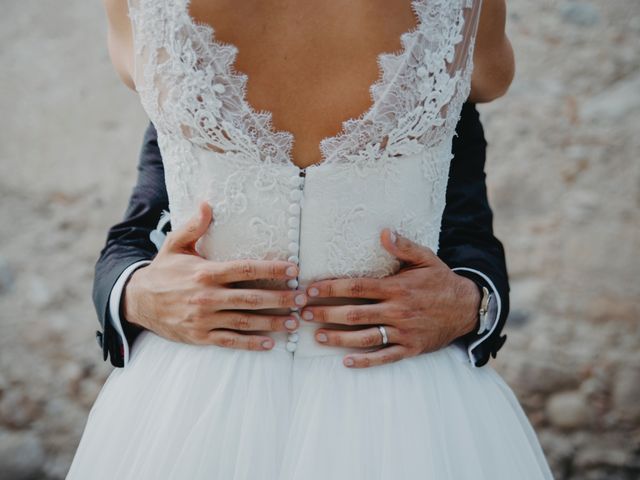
(186, 236)
(406, 250)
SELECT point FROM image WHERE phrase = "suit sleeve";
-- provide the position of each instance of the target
(467, 241)
(127, 243)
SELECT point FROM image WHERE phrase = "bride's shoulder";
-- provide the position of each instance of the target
(120, 39)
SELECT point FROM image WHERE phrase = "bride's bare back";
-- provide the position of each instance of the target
(311, 63)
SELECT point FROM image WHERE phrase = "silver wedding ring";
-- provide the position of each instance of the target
(383, 332)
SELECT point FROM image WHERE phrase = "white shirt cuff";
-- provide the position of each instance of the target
(114, 304)
(492, 315)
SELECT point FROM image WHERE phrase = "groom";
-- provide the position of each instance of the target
(460, 296)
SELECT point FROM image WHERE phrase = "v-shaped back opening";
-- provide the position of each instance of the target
(325, 156)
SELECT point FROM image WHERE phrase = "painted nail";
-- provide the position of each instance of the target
(300, 299)
(314, 292)
(392, 236)
(291, 271)
(266, 343)
(348, 362)
(307, 314)
(291, 324)
(321, 337)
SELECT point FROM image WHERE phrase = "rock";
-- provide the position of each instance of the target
(616, 102)
(543, 375)
(21, 456)
(17, 410)
(6, 276)
(602, 456)
(568, 410)
(626, 392)
(578, 13)
(39, 293)
(559, 451)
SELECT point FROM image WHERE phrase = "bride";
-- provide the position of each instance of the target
(312, 208)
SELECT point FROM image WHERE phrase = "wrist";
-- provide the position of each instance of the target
(470, 300)
(129, 301)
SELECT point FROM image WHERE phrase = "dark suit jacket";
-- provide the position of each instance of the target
(466, 238)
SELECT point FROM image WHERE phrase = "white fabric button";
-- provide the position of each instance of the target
(293, 234)
(293, 222)
(293, 283)
(293, 258)
(294, 209)
(294, 247)
(295, 180)
(295, 195)
(294, 337)
(291, 346)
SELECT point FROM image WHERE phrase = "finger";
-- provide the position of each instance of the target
(242, 270)
(229, 339)
(367, 337)
(381, 356)
(238, 320)
(373, 288)
(406, 250)
(186, 236)
(346, 314)
(256, 299)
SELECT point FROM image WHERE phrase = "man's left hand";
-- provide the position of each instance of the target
(423, 307)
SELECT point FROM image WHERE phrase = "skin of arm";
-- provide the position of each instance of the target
(494, 62)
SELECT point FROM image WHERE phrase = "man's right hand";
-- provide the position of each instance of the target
(186, 298)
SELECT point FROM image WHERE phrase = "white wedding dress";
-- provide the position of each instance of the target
(187, 412)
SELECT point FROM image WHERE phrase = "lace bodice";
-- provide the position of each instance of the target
(387, 168)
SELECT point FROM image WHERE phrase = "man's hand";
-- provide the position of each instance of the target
(186, 298)
(423, 307)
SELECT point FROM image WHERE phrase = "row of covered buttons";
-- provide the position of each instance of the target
(293, 234)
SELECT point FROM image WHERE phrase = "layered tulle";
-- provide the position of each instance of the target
(191, 412)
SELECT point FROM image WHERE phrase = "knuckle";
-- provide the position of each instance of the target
(276, 323)
(241, 322)
(329, 290)
(369, 340)
(274, 270)
(246, 269)
(353, 316)
(252, 300)
(201, 276)
(321, 315)
(285, 299)
(356, 287)
(365, 362)
(395, 289)
(228, 340)
(401, 312)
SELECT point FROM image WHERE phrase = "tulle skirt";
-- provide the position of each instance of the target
(190, 412)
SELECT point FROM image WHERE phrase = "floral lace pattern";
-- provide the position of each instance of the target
(197, 101)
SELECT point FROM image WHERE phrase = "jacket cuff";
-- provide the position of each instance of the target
(475, 339)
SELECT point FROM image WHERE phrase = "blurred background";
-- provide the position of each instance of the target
(564, 182)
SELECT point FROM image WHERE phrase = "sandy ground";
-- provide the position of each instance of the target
(564, 183)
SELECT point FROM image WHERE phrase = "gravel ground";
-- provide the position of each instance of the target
(564, 182)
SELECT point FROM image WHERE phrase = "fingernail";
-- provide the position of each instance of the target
(291, 271)
(348, 362)
(266, 344)
(300, 299)
(291, 324)
(321, 337)
(314, 292)
(307, 314)
(392, 236)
